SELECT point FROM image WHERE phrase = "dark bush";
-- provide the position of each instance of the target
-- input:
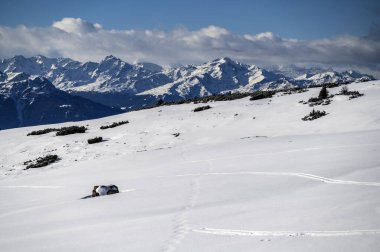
(326, 102)
(314, 114)
(313, 99)
(323, 94)
(27, 162)
(201, 108)
(322, 99)
(344, 90)
(41, 132)
(95, 140)
(113, 125)
(71, 130)
(228, 96)
(354, 94)
(295, 91)
(261, 95)
(41, 161)
(329, 85)
(176, 134)
(60, 131)
(351, 94)
(218, 97)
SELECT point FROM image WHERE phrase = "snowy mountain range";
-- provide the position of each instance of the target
(116, 83)
(32, 100)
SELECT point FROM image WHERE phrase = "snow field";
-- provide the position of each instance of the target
(226, 183)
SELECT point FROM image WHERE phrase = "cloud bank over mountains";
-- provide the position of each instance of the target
(81, 40)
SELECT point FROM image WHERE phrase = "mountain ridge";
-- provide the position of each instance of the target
(33, 100)
(115, 82)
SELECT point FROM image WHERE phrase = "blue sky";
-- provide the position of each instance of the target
(300, 19)
(343, 34)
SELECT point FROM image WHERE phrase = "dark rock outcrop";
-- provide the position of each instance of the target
(104, 190)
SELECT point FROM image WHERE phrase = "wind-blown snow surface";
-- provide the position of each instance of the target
(228, 182)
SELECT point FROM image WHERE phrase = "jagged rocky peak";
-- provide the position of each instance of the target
(110, 58)
(18, 58)
(45, 62)
(40, 82)
(224, 61)
(112, 61)
(353, 73)
(37, 65)
(229, 66)
(112, 65)
(40, 58)
(219, 67)
(17, 64)
(21, 83)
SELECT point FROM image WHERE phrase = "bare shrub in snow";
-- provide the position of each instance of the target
(351, 94)
(41, 132)
(198, 109)
(95, 140)
(113, 125)
(71, 130)
(261, 95)
(41, 161)
(314, 114)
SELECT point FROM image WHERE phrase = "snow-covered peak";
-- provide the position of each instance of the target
(217, 76)
(223, 60)
(112, 66)
(113, 75)
(110, 58)
(37, 65)
(11, 79)
(19, 83)
(110, 61)
(40, 59)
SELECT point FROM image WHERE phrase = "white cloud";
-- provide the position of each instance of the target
(214, 32)
(265, 36)
(81, 40)
(76, 25)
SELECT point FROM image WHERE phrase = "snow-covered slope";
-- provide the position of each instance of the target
(115, 82)
(241, 176)
(32, 100)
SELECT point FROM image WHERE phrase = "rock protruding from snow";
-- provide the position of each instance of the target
(104, 190)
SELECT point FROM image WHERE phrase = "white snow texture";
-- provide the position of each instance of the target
(241, 176)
